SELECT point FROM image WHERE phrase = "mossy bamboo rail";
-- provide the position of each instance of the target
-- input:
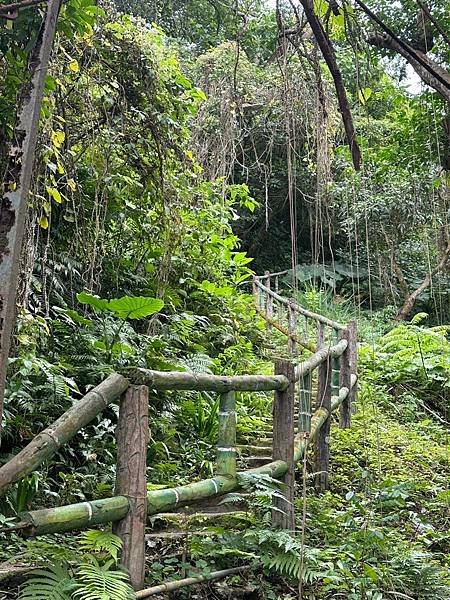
(129, 507)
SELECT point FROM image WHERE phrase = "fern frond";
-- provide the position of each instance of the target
(53, 583)
(100, 583)
(101, 541)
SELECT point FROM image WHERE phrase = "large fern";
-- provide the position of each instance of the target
(53, 583)
(98, 582)
(100, 541)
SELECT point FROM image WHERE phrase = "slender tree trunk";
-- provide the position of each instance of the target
(20, 159)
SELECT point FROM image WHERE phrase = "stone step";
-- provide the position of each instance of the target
(255, 450)
(258, 461)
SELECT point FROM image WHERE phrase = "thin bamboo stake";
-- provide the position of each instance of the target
(269, 302)
(323, 400)
(171, 586)
(292, 328)
(44, 445)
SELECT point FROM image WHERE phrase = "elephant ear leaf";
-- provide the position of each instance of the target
(134, 307)
(95, 302)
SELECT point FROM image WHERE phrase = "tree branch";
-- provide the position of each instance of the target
(414, 57)
(329, 56)
(428, 75)
(11, 9)
(435, 22)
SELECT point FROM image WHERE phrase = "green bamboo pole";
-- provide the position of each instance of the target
(226, 443)
(300, 309)
(86, 514)
(44, 445)
(182, 380)
(335, 365)
(304, 413)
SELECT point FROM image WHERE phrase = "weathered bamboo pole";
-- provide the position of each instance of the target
(226, 443)
(182, 380)
(171, 586)
(131, 480)
(292, 328)
(336, 364)
(44, 445)
(269, 302)
(353, 358)
(283, 514)
(304, 412)
(323, 400)
(86, 514)
(300, 309)
(276, 325)
(319, 357)
(344, 381)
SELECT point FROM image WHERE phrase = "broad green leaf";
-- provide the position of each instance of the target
(137, 307)
(94, 301)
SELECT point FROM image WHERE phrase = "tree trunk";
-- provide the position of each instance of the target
(20, 160)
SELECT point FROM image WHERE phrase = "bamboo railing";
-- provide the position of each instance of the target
(128, 510)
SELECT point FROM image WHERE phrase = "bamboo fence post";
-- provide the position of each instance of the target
(335, 365)
(131, 480)
(344, 381)
(292, 327)
(304, 413)
(279, 305)
(353, 357)
(323, 400)
(269, 302)
(320, 335)
(255, 291)
(283, 514)
(226, 443)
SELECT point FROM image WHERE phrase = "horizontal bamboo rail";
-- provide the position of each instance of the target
(87, 514)
(182, 380)
(308, 345)
(300, 309)
(177, 584)
(45, 444)
(273, 274)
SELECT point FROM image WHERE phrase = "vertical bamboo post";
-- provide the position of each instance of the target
(335, 366)
(304, 413)
(283, 514)
(320, 335)
(269, 302)
(323, 400)
(131, 480)
(226, 443)
(292, 327)
(348, 368)
(255, 291)
(280, 307)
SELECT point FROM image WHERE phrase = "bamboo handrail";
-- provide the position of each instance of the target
(273, 274)
(308, 345)
(107, 510)
(300, 309)
(183, 380)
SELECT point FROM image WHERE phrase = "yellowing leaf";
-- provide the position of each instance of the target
(71, 184)
(58, 138)
(12, 186)
(74, 66)
(364, 94)
(43, 222)
(47, 207)
(53, 192)
(60, 169)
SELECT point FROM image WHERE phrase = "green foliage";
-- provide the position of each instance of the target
(54, 583)
(124, 308)
(94, 578)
